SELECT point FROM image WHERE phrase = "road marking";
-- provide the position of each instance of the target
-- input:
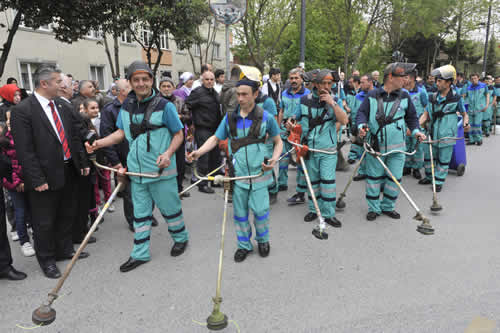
(481, 325)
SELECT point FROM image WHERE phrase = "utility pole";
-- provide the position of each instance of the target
(486, 41)
(302, 34)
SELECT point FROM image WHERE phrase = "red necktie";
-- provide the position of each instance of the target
(60, 131)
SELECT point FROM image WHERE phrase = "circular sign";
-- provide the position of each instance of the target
(228, 11)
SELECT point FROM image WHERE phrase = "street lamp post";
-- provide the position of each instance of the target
(302, 34)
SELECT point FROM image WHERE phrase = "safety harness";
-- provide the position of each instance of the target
(454, 98)
(145, 126)
(384, 120)
(253, 133)
(318, 120)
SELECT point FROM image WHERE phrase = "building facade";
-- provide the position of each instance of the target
(87, 59)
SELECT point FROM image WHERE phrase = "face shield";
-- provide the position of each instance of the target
(446, 72)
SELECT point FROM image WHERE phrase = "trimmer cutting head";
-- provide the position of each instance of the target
(319, 234)
(217, 322)
(436, 207)
(340, 204)
(44, 315)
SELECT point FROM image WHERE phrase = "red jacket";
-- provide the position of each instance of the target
(17, 172)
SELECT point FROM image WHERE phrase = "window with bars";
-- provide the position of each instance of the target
(97, 74)
(27, 73)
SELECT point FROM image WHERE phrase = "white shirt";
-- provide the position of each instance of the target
(218, 87)
(48, 112)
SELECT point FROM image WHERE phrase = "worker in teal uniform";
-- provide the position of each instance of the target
(152, 127)
(384, 115)
(419, 97)
(497, 99)
(247, 128)
(441, 115)
(488, 114)
(366, 85)
(478, 98)
(268, 104)
(290, 103)
(319, 115)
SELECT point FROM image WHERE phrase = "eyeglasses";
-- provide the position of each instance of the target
(399, 75)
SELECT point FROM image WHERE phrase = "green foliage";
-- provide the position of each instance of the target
(491, 58)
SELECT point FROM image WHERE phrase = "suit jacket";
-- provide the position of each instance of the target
(38, 147)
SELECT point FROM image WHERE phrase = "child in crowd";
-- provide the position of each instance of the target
(91, 111)
(15, 186)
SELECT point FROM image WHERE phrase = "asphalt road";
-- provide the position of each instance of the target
(380, 276)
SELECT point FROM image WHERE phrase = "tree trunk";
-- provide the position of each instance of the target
(192, 60)
(117, 55)
(108, 55)
(8, 44)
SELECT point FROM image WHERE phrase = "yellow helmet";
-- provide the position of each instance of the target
(445, 72)
(250, 72)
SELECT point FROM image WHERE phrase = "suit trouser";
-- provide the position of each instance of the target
(164, 194)
(321, 168)
(258, 202)
(128, 206)
(84, 192)
(180, 160)
(442, 158)
(210, 160)
(377, 177)
(5, 255)
(283, 170)
(476, 124)
(52, 214)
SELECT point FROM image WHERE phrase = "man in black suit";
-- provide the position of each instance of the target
(52, 155)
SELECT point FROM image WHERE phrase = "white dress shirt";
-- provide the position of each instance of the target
(48, 112)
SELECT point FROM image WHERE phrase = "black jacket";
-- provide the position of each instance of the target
(205, 108)
(109, 114)
(38, 147)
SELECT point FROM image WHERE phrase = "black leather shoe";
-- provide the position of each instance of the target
(131, 264)
(470, 143)
(487, 135)
(51, 271)
(82, 255)
(273, 198)
(206, 189)
(439, 188)
(178, 249)
(479, 143)
(351, 161)
(406, 171)
(425, 181)
(241, 254)
(416, 174)
(310, 217)
(297, 198)
(154, 222)
(393, 214)
(12, 274)
(282, 188)
(371, 216)
(333, 222)
(264, 249)
(92, 240)
(359, 177)
(131, 228)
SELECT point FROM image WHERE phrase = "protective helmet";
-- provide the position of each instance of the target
(250, 72)
(405, 68)
(446, 72)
